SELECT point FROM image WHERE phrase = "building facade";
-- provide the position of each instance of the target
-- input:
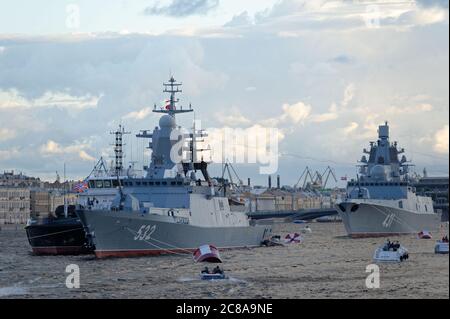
(14, 205)
(43, 202)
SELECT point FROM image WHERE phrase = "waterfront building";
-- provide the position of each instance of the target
(14, 205)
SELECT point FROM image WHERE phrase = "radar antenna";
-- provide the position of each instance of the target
(172, 87)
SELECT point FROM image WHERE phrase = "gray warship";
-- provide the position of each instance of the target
(382, 201)
(171, 210)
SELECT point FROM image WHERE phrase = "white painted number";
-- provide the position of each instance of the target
(387, 223)
(73, 280)
(145, 232)
(373, 280)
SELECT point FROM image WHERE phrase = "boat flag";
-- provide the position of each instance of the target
(81, 187)
(293, 238)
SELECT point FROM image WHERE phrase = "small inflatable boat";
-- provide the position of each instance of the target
(216, 274)
(391, 252)
(425, 235)
(210, 277)
(441, 247)
(273, 241)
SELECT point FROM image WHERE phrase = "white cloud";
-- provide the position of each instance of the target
(7, 134)
(325, 117)
(13, 99)
(395, 110)
(138, 115)
(429, 16)
(349, 94)
(350, 128)
(242, 19)
(51, 148)
(296, 113)
(232, 118)
(441, 140)
(9, 154)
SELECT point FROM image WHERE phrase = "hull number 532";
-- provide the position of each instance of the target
(145, 232)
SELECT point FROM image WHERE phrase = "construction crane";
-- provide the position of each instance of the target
(328, 172)
(228, 168)
(305, 175)
(316, 180)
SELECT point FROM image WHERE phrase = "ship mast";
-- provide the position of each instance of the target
(173, 87)
(118, 149)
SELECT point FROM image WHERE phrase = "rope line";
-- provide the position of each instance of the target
(57, 233)
(161, 248)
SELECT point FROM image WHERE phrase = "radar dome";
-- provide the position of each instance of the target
(167, 121)
(378, 172)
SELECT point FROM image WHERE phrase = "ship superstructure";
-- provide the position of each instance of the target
(175, 208)
(382, 201)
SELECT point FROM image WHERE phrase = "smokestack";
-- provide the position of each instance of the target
(249, 182)
(270, 181)
(278, 182)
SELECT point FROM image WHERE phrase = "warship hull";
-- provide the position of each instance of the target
(132, 234)
(363, 220)
(60, 237)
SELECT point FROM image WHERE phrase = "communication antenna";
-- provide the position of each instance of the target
(118, 148)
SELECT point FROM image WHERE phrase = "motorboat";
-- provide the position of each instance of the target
(391, 252)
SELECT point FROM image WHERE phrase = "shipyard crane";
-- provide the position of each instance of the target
(306, 173)
(329, 172)
(229, 168)
(316, 180)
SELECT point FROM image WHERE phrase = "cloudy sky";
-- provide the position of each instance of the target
(326, 73)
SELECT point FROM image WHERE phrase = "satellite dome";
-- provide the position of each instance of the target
(167, 121)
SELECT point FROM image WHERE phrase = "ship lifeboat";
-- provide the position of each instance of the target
(442, 246)
(391, 252)
(425, 235)
(207, 254)
(293, 238)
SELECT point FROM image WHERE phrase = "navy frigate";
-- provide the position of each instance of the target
(176, 207)
(382, 201)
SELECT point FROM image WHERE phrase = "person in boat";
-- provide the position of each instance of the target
(396, 246)
(217, 271)
(205, 270)
(445, 239)
(388, 245)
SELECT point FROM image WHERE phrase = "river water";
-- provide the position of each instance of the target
(326, 265)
